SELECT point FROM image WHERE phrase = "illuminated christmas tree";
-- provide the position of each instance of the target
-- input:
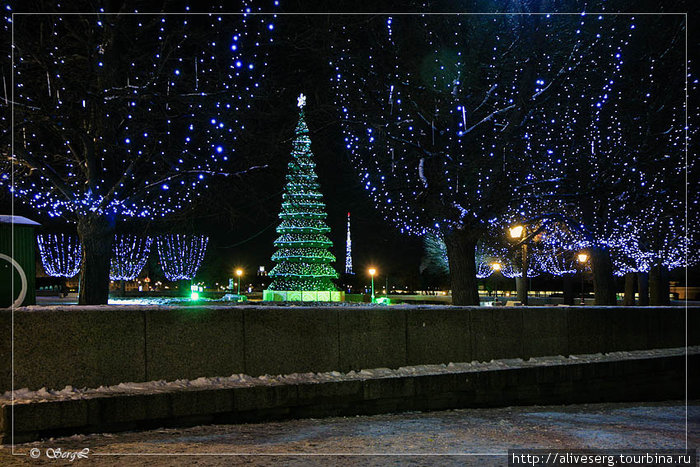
(303, 271)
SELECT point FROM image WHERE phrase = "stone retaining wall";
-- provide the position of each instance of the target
(98, 346)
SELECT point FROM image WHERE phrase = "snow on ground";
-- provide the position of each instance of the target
(479, 437)
(24, 395)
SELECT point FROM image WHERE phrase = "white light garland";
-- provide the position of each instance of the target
(60, 254)
(181, 255)
(129, 256)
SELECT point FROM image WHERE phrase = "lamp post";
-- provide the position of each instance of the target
(582, 258)
(496, 267)
(239, 273)
(372, 272)
(518, 232)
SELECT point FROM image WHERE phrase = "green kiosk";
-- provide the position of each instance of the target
(17, 266)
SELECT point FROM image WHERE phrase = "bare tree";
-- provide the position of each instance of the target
(120, 115)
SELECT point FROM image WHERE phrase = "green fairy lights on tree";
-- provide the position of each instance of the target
(303, 271)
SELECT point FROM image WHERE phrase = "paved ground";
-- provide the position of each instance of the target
(407, 437)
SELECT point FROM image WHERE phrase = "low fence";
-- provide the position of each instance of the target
(96, 346)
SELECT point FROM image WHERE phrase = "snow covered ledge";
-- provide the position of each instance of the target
(618, 376)
(24, 395)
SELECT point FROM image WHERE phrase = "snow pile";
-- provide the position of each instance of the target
(24, 395)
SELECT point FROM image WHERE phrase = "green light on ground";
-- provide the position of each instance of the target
(303, 296)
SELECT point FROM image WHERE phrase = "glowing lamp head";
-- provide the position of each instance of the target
(582, 257)
(194, 296)
(516, 231)
(239, 272)
(496, 266)
(372, 271)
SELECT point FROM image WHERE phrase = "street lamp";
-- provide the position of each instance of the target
(372, 272)
(582, 258)
(239, 273)
(496, 267)
(518, 232)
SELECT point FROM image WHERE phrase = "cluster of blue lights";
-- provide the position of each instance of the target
(171, 89)
(181, 255)
(60, 254)
(129, 256)
(440, 143)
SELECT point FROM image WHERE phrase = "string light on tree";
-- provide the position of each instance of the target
(483, 269)
(60, 254)
(181, 255)
(621, 171)
(153, 164)
(129, 256)
(553, 262)
(427, 140)
(451, 130)
(552, 252)
(131, 117)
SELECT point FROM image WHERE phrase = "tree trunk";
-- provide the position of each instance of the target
(658, 286)
(643, 286)
(461, 249)
(521, 289)
(568, 286)
(603, 279)
(629, 289)
(122, 288)
(96, 235)
(521, 283)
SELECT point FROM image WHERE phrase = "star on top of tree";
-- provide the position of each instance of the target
(301, 101)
